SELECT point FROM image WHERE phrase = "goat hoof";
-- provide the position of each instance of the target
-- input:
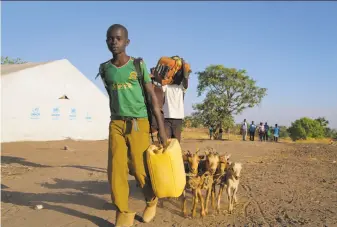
(203, 214)
(185, 215)
(206, 211)
(193, 215)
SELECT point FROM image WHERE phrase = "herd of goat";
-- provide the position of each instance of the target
(204, 173)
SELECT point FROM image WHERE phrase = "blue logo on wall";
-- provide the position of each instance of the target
(88, 118)
(72, 115)
(35, 114)
(56, 113)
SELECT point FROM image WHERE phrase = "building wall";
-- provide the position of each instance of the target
(32, 110)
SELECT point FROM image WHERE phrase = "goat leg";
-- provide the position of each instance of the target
(195, 201)
(208, 195)
(234, 195)
(184, 199)
(230, 200)
(213, 196)
(203, 213)
(219, 198)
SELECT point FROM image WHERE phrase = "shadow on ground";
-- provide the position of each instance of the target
(89, 168)
(12, 160)
(84, 193)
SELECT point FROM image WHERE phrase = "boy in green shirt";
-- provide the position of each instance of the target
(129, 126)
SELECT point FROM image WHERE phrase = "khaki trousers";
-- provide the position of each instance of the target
(128, 141)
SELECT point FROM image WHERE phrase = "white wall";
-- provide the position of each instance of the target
(41, 87)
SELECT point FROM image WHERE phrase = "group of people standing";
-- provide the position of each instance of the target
(264, 131)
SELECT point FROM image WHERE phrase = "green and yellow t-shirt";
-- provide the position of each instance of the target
(125, 93)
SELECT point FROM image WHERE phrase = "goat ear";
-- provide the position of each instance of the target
(185, 154)
(207, 152)
(201, 156)
(228, 156)
(198, 150)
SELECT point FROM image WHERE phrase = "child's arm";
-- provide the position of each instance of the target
(153, 102)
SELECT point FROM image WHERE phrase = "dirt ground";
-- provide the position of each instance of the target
(281, 185)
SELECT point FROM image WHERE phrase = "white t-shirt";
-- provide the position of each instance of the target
(174, 101)
(244, 126)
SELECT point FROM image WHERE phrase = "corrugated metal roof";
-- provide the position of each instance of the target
(11, 68)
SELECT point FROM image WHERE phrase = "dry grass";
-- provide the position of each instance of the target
(323, 140)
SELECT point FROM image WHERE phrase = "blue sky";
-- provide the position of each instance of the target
(288, 47)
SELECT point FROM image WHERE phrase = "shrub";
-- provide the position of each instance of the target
(305, 128)
(284, 132)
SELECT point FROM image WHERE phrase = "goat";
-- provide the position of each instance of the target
(218, 178)
(212, 162)
(231, 180)
(199, 175)
(193, 181)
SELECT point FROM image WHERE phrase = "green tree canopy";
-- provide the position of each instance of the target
(283, 132)
(8, 60)
(305, 128)
(322, 121)
(228, 92)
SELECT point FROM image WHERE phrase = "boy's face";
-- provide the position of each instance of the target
(117, 41)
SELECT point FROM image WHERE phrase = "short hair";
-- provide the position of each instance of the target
(118, 26)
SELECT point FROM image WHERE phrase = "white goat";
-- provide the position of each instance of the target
(232, 180)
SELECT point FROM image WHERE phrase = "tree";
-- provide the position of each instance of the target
(192, 122)
(8, 60)
(228, 92)
(305, 128)
(284, 132)
(322, 121)
(331, 133)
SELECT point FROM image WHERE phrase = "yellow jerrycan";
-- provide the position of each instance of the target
(166, 169)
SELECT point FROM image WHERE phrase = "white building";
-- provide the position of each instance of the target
(51, 101)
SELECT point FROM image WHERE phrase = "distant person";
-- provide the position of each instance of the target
(210, 132)
(129, 125)
(266, 131)
(276, 133)
(174, 105)
(244, 130)
(220, 133)
(261, 131)
(252, 129)
(270, 132)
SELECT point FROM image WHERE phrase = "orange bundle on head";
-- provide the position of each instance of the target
(169, 67)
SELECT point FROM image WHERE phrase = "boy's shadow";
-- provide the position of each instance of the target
(89, 193)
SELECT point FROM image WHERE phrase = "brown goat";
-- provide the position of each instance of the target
(212, 162)
(193, 182)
